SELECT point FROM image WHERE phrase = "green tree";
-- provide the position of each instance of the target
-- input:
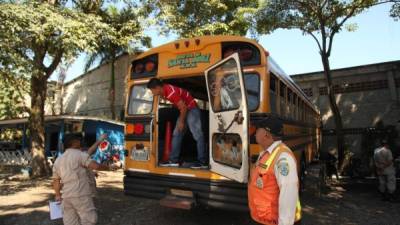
(322, 20)
(395, 11)
(35, 37)
(13, 91)
(126, 26)
(189, 18)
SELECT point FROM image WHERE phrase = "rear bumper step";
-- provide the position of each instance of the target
(228, 195)
(172, 201)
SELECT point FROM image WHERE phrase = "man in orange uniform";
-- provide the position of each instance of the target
(273, 185)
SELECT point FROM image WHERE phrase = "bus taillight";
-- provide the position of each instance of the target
(136, 129)
(145, 67)
(249, 54)
(139, 68)
(129, 128)
(245, 54)
(139, 128)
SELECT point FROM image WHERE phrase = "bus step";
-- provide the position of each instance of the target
(173, 201)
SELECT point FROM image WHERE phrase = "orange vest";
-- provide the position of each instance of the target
(264, 196)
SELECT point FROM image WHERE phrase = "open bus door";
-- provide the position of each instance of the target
(229, 116)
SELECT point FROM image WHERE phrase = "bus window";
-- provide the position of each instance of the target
(252, 85)
(307, 114)
(288, 103)
(298, 108)
(225, 87)
(140, 100)
(272, 93)
(282, 90)
(294, 108)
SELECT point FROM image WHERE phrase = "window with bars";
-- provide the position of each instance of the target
(356, 87)
(308, 92)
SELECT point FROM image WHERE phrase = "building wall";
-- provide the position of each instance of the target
(366, 95)
(89, 93)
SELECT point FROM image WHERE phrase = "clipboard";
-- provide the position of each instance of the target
(55, 210)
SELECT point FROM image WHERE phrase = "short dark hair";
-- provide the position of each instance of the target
(153, 83)
(70, 138)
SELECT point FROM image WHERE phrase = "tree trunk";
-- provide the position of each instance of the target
(335, 110)
(36, 125)
(112, 89)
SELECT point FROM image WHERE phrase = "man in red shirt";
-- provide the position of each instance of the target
(189, 115)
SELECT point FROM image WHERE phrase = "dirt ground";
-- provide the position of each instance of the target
(350, 202)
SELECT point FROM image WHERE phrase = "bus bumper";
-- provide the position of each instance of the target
(228, 195)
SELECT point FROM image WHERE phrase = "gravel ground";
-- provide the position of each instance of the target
(350, 202)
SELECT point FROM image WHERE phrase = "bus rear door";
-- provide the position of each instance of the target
(229, 118)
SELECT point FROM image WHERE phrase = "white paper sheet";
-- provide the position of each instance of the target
(55, 210)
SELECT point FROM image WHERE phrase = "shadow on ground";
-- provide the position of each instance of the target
(350, 202)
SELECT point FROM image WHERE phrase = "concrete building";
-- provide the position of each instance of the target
(88, 94)
(368, 96)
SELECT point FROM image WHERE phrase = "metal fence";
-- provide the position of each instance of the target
(16, 157)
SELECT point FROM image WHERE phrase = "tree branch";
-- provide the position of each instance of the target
(38, 58)
(336, 28)
(330, 43)
(384, 2)
(53, 66)
(316, 40)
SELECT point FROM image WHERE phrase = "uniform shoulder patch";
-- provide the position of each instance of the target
(283, 167)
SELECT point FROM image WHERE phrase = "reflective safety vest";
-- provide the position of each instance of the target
(263, 189)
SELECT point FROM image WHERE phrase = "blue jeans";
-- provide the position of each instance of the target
(193, 121)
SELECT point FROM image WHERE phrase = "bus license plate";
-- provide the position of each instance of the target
(140, 155)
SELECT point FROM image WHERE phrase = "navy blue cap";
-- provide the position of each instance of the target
(271, 124)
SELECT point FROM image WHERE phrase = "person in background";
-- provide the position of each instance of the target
(189, 116)
(71, 182)
(330, 163)
(385, 170)
(273, 188)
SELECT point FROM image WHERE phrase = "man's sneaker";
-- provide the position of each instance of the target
(198, 165)
(169, 164)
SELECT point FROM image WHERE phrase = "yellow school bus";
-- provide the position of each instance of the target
(235, 83)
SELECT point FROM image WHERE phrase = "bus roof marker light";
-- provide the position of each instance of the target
(176, 45)
(187, 43)
(197, 41)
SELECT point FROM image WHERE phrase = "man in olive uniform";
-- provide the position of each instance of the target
(71, 183)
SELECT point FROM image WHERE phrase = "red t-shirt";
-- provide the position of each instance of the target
(175, 94)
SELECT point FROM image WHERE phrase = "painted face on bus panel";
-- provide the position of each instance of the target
(264, 138)
(157, 91)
